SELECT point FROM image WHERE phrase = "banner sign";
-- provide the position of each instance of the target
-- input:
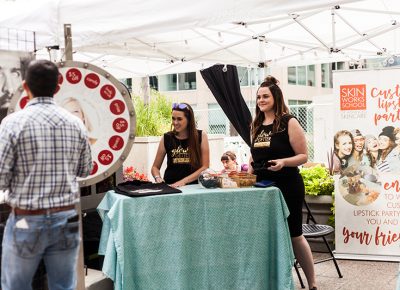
(366, 162)
(105, 108)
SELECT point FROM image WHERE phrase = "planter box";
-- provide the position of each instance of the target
(320, 207)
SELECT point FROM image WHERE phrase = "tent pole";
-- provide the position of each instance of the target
(68, 41)
(359, 33)
(295, 16)
(215, 42)
(393, 26)
(156, 48)
(333, 48)
(370, 10)
(80, 264)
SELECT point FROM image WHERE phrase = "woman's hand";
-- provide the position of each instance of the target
(276, 164)
(178, 184)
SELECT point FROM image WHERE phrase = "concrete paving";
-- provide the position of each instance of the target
(96, 280)
(365, 275)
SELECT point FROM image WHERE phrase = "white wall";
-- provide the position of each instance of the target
(323, 127)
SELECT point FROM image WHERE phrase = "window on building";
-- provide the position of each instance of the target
(326, 75)
(257, 75)
(187, 81)
(217, 120)
(128, 83)
(311, 75)
(243, 74)
(253, 76)
(340, 65)
(153, 82)
(174, 82)
(301, 75)
(292, 76)
(375, 62)
(167, 82)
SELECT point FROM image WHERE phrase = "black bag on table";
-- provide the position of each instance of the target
(139, 188)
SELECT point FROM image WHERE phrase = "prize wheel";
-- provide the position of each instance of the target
(104, 106)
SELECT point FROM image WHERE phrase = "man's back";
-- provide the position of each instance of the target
(51, 149)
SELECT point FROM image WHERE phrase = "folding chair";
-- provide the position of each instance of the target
(312, 231)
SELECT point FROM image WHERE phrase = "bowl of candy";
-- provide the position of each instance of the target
(208, 178)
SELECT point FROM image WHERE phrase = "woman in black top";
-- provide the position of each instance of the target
(278, 147)
(186, 148)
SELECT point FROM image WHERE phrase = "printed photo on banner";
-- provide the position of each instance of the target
(360, 160)
(12, 67)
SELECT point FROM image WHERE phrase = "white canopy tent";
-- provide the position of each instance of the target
(138, 38)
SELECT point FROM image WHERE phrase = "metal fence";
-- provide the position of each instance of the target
(216, 122)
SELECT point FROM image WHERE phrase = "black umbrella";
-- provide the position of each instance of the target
(223, 81)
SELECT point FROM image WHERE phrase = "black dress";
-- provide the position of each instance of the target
(267, 146)
(178, 158)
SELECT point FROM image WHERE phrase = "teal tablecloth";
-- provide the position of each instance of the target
(199, 239)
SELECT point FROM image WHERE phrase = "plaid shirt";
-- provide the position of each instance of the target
(43, 148)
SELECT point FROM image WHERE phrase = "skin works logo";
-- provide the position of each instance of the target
(353, 97)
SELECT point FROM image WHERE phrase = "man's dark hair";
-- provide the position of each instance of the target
(42, 78)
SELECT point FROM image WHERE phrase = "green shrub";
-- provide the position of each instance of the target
(317, 180)
(331, 220)
(153, 119)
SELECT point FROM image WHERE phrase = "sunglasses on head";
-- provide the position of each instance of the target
(180, 106)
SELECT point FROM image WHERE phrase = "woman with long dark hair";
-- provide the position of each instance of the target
(186, 148)
(278, 146)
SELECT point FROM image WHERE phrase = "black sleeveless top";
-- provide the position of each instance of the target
(178, 158)
(269, 146)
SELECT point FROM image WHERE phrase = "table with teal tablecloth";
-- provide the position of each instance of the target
(198, 239)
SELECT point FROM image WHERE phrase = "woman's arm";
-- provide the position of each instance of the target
(298, 142)
(205, 162)
(158, 160)
(250, 170)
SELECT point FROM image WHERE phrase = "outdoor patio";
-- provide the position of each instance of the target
(366, 275)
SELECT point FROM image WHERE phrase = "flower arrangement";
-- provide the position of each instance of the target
(130, 173)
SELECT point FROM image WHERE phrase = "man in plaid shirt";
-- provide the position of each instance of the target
(43, 149)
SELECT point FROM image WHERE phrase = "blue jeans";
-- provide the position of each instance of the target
(28, 239)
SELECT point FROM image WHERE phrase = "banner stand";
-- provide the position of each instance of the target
(367, 257)
(366, 164)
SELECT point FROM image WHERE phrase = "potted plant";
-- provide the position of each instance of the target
(154, 118)
(319, 186)
(317, 180)
(152, 121)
